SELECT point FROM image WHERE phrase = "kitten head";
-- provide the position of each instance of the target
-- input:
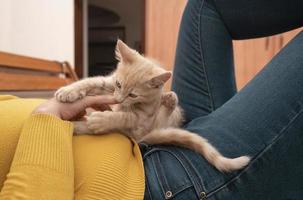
(137, 79)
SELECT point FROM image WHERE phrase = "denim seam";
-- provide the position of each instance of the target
(161, 173)
(182, 164)
(202, 56)
(202, 186)
(149, 152)
(274, 140)
(191, 171)
(148, 190)
(158, 178)
(184, 187)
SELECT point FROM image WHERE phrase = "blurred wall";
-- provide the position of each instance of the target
(38, 28)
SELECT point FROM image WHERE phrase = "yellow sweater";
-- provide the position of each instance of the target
(39, 159)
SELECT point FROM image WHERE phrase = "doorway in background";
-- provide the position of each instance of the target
(99, 23)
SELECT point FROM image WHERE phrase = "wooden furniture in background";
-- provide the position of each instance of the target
(161, 32)
(22, 73)
(79, 34)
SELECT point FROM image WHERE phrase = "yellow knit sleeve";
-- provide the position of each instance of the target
(38, 155)
(42, 166)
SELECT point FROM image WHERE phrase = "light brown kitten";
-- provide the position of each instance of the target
(145, 112)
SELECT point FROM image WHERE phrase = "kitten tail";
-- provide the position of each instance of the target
(197, 143)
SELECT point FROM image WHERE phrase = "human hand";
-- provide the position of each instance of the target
(75, 110)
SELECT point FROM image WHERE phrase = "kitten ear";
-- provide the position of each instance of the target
(117, 52)
(159, 80)
(124, 53)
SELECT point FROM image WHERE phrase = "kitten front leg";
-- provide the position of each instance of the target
(169, 100)
(103, 122)
(81, 128)
(170, 115)
(79, 89)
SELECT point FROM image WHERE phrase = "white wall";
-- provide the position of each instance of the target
(38, 28)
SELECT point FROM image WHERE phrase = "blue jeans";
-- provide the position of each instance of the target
(264, 120)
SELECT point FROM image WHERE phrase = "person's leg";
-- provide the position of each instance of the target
(259, 18)
(204, 73)
(264, 120)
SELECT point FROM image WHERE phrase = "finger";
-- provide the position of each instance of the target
(98, 101)
(92, 101)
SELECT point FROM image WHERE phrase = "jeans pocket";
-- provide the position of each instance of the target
(166, 175)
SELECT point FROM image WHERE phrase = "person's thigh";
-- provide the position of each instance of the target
(265, 121)
(203, 74)
(259, 18)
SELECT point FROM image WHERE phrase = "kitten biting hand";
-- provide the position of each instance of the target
(145, 112)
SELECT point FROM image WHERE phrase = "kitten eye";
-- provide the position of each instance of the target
(118, 84)
(132, 95)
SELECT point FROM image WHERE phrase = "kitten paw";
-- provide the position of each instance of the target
(80, 128)
(99, 122)
(69, 94)
(169, 100)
